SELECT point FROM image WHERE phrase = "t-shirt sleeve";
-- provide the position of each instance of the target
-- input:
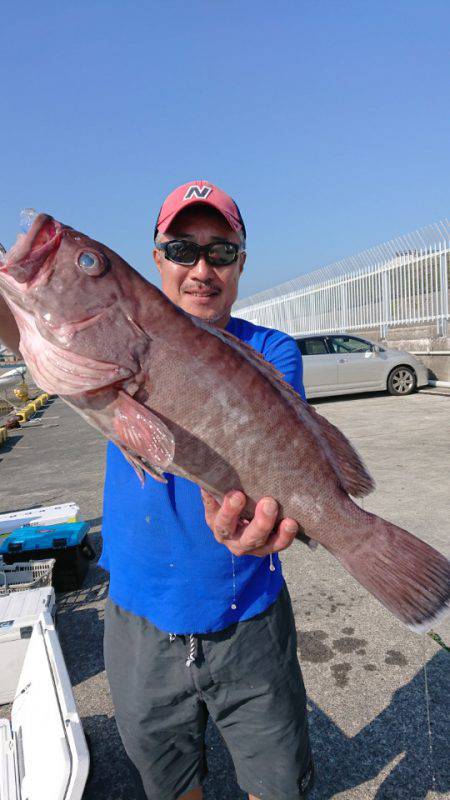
(283, 353)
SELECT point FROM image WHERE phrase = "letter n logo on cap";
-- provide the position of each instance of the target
(201, 193)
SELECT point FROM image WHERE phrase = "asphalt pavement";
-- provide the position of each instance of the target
(378, 694)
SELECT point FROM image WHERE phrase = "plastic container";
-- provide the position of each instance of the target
(67, 544)
(18, 613)
(43, 751)
(44, 515)
(26, 575)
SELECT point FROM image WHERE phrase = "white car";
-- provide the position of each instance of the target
(340, 363)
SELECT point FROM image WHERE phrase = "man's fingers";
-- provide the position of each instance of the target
(257, 532)
(256, 537)
(281, 539)
(285, 534)
(211, 507)
(226, 518)
(277, 541)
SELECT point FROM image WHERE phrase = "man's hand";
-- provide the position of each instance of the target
(254, 538)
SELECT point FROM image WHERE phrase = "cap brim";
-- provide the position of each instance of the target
(234, 223)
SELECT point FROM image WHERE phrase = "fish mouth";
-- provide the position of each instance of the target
(25, 262)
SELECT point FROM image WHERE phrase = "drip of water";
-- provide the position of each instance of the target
(234, 603)
(26, 219)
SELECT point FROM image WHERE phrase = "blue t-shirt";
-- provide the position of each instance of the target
(164, 561)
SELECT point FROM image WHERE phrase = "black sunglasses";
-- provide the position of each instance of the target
(217, 254)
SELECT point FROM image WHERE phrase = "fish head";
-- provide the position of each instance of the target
(65, 289)
(59, 275)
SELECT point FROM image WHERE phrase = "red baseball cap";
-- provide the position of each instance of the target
(199, 192)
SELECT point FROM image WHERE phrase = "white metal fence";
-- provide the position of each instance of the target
(402, 282)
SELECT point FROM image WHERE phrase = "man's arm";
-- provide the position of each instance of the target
(9, 332)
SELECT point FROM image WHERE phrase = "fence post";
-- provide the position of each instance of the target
(344, 321)
(385, 304)
(442, 321)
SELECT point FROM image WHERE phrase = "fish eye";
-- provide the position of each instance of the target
(91, 263)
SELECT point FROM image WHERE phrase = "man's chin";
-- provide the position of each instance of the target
(206, 307)
(212, 316)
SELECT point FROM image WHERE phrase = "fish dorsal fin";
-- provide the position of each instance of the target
(350, 470)
(347, 465)
(247, 350)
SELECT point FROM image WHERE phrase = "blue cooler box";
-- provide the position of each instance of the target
(67, 543)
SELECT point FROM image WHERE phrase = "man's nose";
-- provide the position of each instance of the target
(202, 270)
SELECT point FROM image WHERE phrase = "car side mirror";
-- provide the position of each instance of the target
(376, 349)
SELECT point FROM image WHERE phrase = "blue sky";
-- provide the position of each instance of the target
(327, 121)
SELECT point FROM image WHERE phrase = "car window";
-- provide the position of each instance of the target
(349, 344)
(313, 347)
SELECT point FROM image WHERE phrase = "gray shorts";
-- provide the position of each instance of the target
(247, 677)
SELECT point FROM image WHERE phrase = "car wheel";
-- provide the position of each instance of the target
(402, 380)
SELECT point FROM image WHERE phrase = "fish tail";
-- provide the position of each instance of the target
(408, 576)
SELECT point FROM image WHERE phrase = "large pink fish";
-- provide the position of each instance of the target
(179, 396)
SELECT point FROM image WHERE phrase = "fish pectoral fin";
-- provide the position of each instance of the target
(140, 466)
(144, 434)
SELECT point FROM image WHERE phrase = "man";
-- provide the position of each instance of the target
(196, 624)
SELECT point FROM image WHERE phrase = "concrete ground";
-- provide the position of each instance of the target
(378, 694)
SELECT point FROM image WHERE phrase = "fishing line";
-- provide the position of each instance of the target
(430, 741)
(234, 603)
(435, 636)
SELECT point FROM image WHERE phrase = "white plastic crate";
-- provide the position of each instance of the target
(25, 575)
(18, 613)
(45, 515)
(43, 751)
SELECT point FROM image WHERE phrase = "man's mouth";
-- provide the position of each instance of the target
(197, 291)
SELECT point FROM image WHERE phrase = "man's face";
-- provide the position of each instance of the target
(203, 290)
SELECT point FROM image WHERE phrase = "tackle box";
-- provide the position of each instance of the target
(44, 515)
(18, 613)
(43, 751)
(67, 544)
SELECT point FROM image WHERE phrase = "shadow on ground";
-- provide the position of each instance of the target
(413, 729)
(413, 732)
(344, 398)
(13, 439)
(94, 522)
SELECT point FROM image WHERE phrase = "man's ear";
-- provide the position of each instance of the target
(157, 258)
(242, 262)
